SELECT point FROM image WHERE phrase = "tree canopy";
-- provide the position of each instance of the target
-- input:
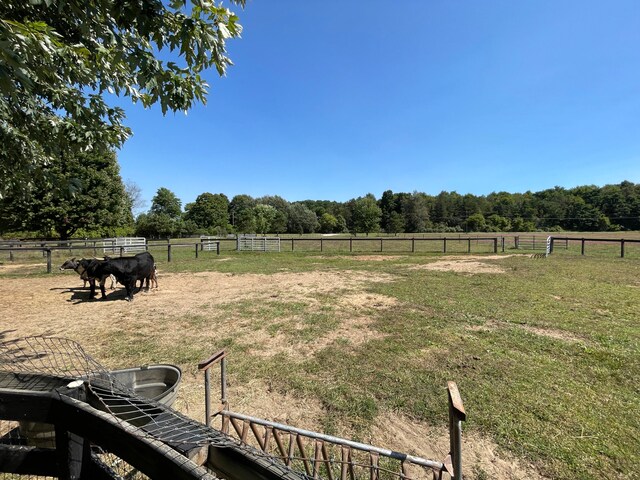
(209, 212)
(85, 194)
(60, 58)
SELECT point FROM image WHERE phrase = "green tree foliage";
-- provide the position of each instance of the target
(164, 218)
(497, 223)
(365, 214)
(59, 58)
(167, 203)
(279, 223)
(155, 225)
(476, 223)
(328, 223)
(521, 225)
(388, 206)
(415, 210)
(302, 219)
(209, 213)
(395, 223)
(85, 194)
(242, 214)
(264, 215)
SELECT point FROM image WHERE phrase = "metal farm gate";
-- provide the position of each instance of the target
(258, 244)
(210, 244)
(121, 245)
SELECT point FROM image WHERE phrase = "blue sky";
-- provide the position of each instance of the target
(334, 99)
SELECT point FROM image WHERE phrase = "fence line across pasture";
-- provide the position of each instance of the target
(412, 242)
(47, 251)
(447, 244)
(583, 242)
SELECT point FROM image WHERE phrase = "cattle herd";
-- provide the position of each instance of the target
(124, 270)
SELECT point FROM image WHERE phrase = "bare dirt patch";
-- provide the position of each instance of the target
(458, 266)
(369, 258)
(481, 457)
(544, 332)
(552, 333)
(359, 301)
(354, 331)
(58, 305)
(470, 265)
(22, 268)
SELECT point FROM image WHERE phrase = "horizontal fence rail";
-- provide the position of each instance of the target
(120, 250)
(412, 243)
(318, 453)
(583, 241)
(448, 244)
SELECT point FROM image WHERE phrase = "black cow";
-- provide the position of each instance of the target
(80, 267)
(127, 270)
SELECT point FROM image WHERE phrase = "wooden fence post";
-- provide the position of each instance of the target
(622, 248)
(48, 260)
(321, 245)
(350, 244)
(469, 247)
(380, 245)
(582, 247)
(456, 416)
(413, 245)
(444, 245)
(196, 250)
(168, 252)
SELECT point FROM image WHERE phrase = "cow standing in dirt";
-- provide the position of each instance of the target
(127, 271)
(80, 269)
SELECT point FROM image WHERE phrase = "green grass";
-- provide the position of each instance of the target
(569, 405)
(546, 355)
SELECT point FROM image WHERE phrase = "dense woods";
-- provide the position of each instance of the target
(57, 213)
(585, 208)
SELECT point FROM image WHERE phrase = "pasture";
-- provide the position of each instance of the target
(545, 352)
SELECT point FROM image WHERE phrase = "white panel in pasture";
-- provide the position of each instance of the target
(130, 244)
(258, 244)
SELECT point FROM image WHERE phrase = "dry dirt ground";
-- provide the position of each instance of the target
(57, 305)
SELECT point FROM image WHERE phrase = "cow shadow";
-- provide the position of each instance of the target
(83, 294)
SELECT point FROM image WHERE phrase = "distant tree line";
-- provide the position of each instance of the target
(90, 199)
(585, 208)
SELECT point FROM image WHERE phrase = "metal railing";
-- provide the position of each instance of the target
(317, 452)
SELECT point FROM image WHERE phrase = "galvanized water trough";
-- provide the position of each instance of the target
(152, 382)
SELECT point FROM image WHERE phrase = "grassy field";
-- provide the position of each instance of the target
(545, 352)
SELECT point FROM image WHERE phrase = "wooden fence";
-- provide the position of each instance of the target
(566, 242)
(396, 244)
(47, 249)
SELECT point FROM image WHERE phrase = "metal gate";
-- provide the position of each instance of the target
(258, 244)
(120, 245)
(328, 457)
